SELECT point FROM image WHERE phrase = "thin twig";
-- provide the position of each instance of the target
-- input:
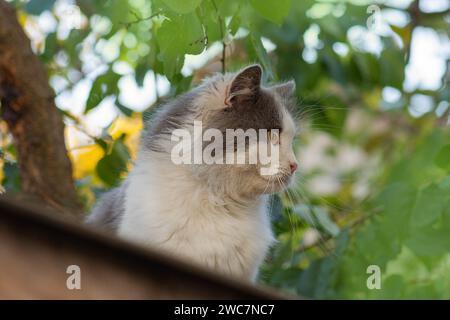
(325, 239)
(222, 34)
(139, 19)
(414, 12)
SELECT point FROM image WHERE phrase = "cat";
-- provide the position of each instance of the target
(211, 214)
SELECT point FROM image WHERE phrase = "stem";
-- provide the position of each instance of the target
(414, 12)
(222, 34)
(139, 19)
(324, 240)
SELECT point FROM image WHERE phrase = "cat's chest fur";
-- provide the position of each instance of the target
(165, 209)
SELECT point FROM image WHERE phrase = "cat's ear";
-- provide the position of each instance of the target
(245, 86)
(285, 90)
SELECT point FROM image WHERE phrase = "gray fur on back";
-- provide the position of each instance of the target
(168, 117)
(108, 212)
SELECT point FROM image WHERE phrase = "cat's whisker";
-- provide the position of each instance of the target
(290, 217)
(310, 111)
(323, 199)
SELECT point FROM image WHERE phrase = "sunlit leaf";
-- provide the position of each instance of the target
(274, 11)
(112, 165)
(429, 206)
(174, 44)
(262, 55)
(182, 7)
(443, 158)
(103, 86)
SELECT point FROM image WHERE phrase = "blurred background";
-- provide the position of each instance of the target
(373, 192)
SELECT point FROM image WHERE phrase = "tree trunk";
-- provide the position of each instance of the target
(28, 107)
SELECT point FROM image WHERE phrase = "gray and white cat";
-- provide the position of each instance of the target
(214, 215)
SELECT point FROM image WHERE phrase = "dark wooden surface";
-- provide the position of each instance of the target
(36, 248)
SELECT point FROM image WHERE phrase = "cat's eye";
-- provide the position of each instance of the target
(274, 136)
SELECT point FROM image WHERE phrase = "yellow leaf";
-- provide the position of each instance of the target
(131, 126)
(22, 17)
(404, 33)
(128, 125)
(84, 160)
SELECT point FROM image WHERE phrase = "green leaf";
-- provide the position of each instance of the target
(393, 287)
(317, 217)
(328, 270)
(125, 110)
(332, 26)
(227, 8)
(274, 11)
(442, 159)
(118, 11)
(102, 143)
(210, 20)
(261, 53)
(182, 6)
(368, 66)
(103, 86)
(112, 165)
(445, 185)
(317, 280)
(325, 222)
(141, 71)
(305, 212)
(180, 84)
(397, 201)
(11, 180)
(51, 46)
(429, 242)
(234, 24)
(177, 37)
(376, 243)
(36, 7)
(429, 206)
(392, 65)
(418, 168)
(308, 279)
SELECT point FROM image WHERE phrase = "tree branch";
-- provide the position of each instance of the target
(28, 107)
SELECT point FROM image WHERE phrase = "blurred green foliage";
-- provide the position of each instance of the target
(388, 168)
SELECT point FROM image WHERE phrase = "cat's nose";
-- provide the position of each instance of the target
(293, 166)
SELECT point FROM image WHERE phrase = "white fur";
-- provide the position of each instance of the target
(166, 209)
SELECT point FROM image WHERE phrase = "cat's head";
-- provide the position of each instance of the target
(229, 109)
